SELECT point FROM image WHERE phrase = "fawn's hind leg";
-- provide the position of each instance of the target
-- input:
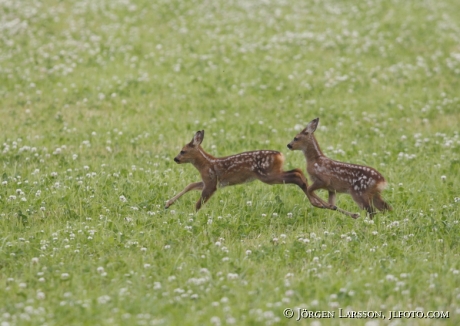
(296, 177)
(363, 202)
(380, 204)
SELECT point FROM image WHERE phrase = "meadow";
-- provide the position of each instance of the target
(97, 98)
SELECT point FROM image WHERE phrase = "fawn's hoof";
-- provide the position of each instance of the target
(355, 216)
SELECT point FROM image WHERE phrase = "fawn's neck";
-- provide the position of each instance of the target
(203, 160)
(312, 151)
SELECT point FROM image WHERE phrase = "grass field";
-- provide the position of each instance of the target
(97, 98)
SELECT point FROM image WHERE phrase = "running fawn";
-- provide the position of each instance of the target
(363, 183)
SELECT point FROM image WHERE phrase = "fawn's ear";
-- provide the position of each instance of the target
(198, 138)
(311, 126)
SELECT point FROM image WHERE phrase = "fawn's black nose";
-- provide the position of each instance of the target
(176, 160)
(289, 146)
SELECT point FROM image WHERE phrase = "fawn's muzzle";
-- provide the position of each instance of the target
(176, 160)
(289, 146)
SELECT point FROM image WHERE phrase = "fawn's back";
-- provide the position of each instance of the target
(345, 177)
(246, 166)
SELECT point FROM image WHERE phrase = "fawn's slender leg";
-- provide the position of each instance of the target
(363, 202)
(331, 201)
(331, 198)
(379, 203)
(295, 176)
(207, 192)
(311, 191)
(192, 186)
(315, 186)
(289, 177)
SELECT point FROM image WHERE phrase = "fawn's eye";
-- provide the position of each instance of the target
(296, 138)
(182, 152)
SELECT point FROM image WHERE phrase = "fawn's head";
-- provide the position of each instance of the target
(301, 138)
(189, 152)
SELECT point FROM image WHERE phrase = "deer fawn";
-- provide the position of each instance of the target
(264, 165)
(363, 183)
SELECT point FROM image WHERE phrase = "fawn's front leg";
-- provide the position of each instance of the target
(331, 204)
(331, 199)
(207, 192)
(311, 193)
(192, 186)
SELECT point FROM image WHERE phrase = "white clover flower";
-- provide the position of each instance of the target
(231, 320)
(390, 277)
(232, 276)
(103, 299)
(289, 293)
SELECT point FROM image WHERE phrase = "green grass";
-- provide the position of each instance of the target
(97, 97)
